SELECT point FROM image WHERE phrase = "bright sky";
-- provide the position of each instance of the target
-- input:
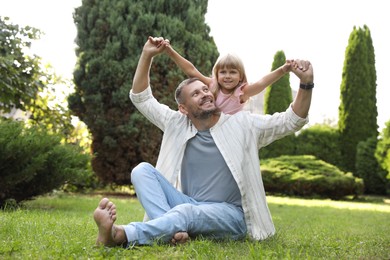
(255, 30)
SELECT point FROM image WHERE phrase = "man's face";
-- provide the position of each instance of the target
(198, 101)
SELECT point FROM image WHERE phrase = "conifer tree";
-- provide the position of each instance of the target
(357, 111)
(110, 37)
(277, 98)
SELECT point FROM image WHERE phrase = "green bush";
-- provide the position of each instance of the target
(322, 141)
(368, 168)
(304, 175)
(284, 146)
(33, 162)
(382, 152)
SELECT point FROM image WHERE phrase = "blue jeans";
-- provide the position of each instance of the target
(170, 211)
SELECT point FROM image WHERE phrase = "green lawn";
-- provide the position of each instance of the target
(61, 227)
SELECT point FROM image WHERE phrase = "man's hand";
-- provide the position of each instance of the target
(154, 45)
(304, 71)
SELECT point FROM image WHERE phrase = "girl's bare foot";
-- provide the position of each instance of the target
(105, 216)
(180, 238)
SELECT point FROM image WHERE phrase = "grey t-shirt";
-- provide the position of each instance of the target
(205, 175)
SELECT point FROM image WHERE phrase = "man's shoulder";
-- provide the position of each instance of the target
(241, 117)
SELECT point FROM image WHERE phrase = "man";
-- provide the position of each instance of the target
(207, 180)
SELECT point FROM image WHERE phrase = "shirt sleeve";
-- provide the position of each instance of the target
(270, 128)
(157, 113)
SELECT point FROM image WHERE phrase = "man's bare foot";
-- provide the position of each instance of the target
(105, 216)
(180, 238)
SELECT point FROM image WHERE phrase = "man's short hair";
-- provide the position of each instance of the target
(178, 97)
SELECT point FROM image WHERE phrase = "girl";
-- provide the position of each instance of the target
(228, 82)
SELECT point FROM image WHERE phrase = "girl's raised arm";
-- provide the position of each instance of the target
(185, 65)
(255, 88)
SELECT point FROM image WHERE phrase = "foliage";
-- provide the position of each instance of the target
(33, 162)
(368, 168)
(80, 136)
(382, 152)
(20, 73)
(307, 176)
(284, 146)
(50, 109)
(27, 85)
(277, 98)
(110, 37)
(322, 141)
(305, 229)
(357, 111)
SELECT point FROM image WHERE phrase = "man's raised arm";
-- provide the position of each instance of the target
(304, 71)
(152, 47)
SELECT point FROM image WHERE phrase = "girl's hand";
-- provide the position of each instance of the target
(287, 67)
(154, 45)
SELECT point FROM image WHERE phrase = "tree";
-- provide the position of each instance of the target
(34, 158)
(368, 167)
(110, 38)
(357, 111)
(382, 154)
(20, 73)
(26, 84)
(277, 98)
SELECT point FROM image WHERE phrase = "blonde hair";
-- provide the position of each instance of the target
(229, 61)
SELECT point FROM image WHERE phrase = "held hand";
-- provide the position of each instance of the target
(154, 45)
(304, 71)
(287, 67)
(167, 47)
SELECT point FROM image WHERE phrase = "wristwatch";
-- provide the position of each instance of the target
(306, 86)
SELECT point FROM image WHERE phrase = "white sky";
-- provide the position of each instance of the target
(255, 30)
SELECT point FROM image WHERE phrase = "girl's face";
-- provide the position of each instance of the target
(228, 79)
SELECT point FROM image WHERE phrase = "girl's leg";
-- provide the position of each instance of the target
(155, 193)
